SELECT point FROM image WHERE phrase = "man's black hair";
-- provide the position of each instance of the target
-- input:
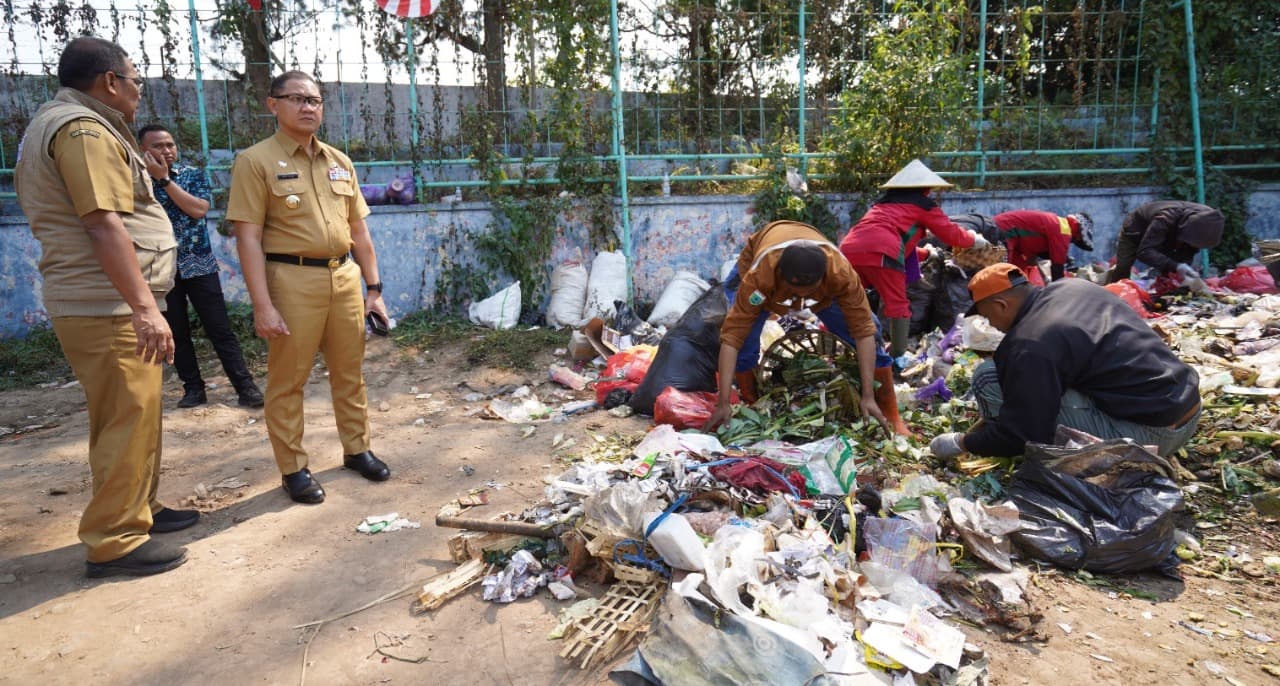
(152, 128)
(86, 57)
(278, 83)
(802, 265)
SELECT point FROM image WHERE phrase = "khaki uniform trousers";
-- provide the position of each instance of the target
(123, 394)
(324, 310)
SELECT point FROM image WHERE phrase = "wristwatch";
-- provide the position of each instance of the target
(374, 287)
(164, 183)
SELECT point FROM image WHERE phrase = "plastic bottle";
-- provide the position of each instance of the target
(666, 185)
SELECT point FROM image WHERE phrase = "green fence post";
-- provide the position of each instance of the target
(804, 161)
(1190, 26)
(195, 56)
(982, 78)
(619, 142)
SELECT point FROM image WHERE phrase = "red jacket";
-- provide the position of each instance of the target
(894, 225)
(1031, 234)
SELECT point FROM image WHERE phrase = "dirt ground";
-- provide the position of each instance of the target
(260, 565)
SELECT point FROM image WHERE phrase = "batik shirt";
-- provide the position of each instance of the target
(195, 255)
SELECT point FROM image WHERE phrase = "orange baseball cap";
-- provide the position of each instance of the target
(992, 280)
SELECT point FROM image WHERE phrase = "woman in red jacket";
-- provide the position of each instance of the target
(1031, 235)
(882, 245)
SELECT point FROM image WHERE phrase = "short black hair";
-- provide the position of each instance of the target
(278, 83)
(86, 57)
(152, 128)
(802, 264)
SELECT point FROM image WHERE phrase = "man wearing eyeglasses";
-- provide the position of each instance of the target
(304, 247)
(1073, 354)
(108, 259)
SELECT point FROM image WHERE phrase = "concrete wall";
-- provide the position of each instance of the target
(697, 233)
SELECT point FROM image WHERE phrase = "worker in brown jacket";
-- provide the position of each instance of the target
(108, 258)
(786, 267)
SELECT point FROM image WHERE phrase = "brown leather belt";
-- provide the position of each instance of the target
(330, 262)
(1187, 417)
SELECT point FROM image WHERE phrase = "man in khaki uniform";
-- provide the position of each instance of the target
(108, 258)
(304, 246)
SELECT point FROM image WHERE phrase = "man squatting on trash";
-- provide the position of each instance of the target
(784, 267)
(1077, 355)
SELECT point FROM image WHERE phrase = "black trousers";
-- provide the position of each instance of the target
(205, 295)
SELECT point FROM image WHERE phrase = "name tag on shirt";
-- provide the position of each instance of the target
(286, 177)
(339, 174)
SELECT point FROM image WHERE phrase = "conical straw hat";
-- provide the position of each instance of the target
(916, 175)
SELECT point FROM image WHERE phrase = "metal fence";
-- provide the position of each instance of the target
(491, 93)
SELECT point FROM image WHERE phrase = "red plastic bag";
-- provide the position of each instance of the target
(683, 409)
(624, 370)
(1251, 279)
(1132, 294)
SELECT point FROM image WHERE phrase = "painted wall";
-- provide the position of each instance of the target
(697, 233)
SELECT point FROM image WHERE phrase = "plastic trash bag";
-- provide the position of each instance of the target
(684, 290)
(1134, 296)
(683, 409)
(623, 372)
(1108, 507)
(904, 546)
(568, 295)
(689, 353)
(693, 641)
(1250, 279)
(498, 311)
(606, 283)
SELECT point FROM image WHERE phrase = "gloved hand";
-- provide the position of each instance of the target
(947, 445)
(1188, 272)
(979, 242)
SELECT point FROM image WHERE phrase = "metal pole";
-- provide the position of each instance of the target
(619, 141)
(1195, 112)
(195, 53)
(804, 163)
(982, 77)
(413, 85)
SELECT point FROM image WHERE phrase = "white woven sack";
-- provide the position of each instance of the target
(568, 295)
(498, 311)
(607, 283)
(684, 289)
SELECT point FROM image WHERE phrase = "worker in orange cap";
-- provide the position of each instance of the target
(1073, 354)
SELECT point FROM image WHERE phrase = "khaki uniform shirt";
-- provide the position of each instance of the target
(304, 204)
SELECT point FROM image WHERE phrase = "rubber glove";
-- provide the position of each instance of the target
(1188, 272)
(947, 445)
(979, 243)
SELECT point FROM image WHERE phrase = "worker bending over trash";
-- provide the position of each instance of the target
(1077, 355)
(1033, 235)
(786, 267)
(882, 245)
(1166, 235)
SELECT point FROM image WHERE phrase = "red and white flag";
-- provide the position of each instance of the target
(408, 8)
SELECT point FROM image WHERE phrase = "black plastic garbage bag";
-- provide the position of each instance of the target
(688, 355)
(981, 223)
(1107, 507)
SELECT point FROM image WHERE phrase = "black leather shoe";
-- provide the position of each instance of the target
(303, 487)
(167, 520)
(369, 466)
(251, 397)
(193, 397)
(149, 558)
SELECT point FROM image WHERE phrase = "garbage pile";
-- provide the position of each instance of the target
(800, 544)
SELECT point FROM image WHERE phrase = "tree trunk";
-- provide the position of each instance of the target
(495, 67)
(257, 72)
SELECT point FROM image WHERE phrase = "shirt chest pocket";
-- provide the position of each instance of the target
(343, 190)
(288, 197)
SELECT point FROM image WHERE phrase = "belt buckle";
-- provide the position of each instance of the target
(334, 263)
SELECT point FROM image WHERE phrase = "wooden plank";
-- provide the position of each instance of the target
(445, 586)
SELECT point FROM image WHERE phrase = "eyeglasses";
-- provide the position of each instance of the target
(137, 80)
(298, 100)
